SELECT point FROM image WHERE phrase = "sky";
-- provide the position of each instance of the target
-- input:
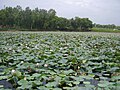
(99, 11)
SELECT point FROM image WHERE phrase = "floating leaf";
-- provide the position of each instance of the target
(3, 77)
(103, 84)
(24, 84)
(51, 84)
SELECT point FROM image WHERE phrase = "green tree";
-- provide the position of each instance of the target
(42, 19)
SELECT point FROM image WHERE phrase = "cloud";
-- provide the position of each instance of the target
(82, 3)
(100, 11)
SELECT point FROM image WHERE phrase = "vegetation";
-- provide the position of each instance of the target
(109, 26)
(40, 19)
(95, 29)
(105, 28)
(60, 61)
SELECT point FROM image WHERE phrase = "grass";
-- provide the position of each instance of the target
(105, 30)
(93, 30)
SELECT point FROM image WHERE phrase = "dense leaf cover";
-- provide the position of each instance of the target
(40, 19)
(60, 60)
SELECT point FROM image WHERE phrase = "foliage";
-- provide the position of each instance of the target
(105, 30)
(39, 19)
(109, 26)
(60, 61)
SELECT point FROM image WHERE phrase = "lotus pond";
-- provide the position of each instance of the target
(59, 61)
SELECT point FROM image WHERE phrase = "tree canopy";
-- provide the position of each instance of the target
(40, 19)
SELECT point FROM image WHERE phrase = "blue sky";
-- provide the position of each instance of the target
(99, 11)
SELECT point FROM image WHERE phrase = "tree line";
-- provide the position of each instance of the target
(40, 19)
(109, 26)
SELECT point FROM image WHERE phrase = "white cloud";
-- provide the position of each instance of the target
(100, 11)
(82, 3)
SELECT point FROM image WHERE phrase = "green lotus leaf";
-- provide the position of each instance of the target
(103, 84)
(1, 86)
(51, 84)
(3, 77)
(116, 77)
(43, 88)
(24, 84)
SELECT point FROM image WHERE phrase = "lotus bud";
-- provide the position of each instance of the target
(22, 62)
(25, 78)
(10, 49)
(45, 65)
(13, 71)
(51, 50)
(37, 64)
